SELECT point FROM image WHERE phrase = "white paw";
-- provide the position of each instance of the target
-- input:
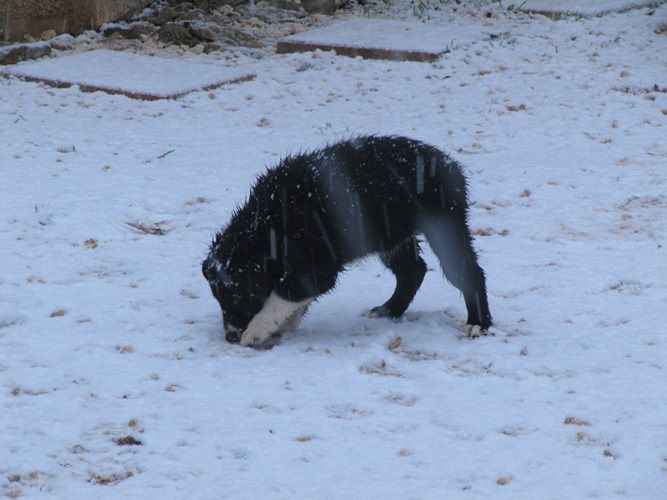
(474, 331)
(252, 337)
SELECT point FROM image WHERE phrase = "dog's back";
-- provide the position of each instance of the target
(362, 196)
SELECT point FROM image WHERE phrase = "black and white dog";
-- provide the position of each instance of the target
(308, 217)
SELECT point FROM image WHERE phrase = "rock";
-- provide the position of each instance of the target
(12, 54)
(178, 34)
(132, 31)
(63, 42)
(209, 5)
(237, 36)
(213, 47)
(163, 16)
(203, 33)
(48, 35)
(322, 6)
(36, 50)
(15, 53)
(253, 21)
(287, 4)
(268, 14)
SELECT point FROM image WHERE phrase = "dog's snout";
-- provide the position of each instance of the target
(232, 332)
(233, 337)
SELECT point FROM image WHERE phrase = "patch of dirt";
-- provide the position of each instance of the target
(489, 231)
(576, 421)
(346, 412)
(402, 400)
(395, 343)
(503, 480)
(635, 202)
(635, 90)
(516, 431)
(127, 441)
(380, 368)
(416, 354)
(514, 108)
(188, 294)
(584, 437)
(304, 439)
(34, 480)
(629, 287)
(109, 479)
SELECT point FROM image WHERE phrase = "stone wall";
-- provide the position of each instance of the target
(22, 18)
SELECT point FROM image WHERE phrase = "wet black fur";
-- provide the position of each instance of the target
(313, 213)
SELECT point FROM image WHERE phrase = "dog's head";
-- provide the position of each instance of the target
(238, 283)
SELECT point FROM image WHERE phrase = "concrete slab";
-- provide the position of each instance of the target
(136, 76)
(383, 39)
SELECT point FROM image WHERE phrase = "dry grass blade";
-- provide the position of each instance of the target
(155, 229)
(395, 343)
(381, 369)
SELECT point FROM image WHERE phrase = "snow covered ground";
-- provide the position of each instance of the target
(115, 379)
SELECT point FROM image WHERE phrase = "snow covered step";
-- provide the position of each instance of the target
(133, 75)
(383, 39)
(558, 8)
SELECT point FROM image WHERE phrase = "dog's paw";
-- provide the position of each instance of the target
(267, 344)
(475, 331)
(377, 312)
(383, 311)
(252, 338)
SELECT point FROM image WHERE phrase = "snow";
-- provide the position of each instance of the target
(109, 330)
(127, 73)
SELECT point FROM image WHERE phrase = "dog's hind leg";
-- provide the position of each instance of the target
(409, 268)
(450, 240)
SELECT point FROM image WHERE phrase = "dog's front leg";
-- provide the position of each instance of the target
(275, 313)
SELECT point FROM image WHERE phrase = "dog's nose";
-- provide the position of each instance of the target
(233, 337)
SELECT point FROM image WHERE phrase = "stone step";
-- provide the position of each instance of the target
(132, 75)
(383, 39)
